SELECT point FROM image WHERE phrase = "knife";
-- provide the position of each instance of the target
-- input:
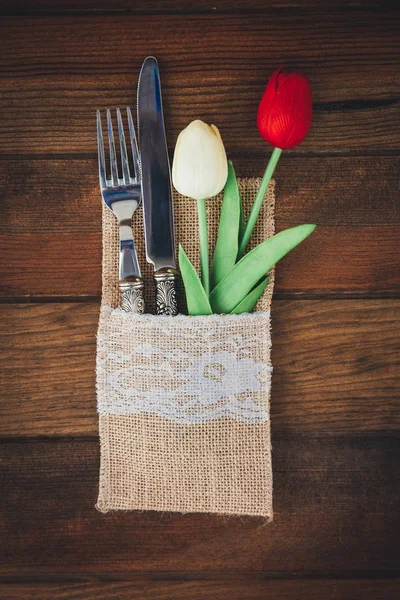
(156, 188)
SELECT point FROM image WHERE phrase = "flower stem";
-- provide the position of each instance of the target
(203, 234)
(262, 190)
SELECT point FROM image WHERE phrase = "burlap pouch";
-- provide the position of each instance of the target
(183, 401)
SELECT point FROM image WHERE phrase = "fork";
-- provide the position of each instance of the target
(122, 197)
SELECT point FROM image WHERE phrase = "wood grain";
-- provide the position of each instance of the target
(336, 366)
(49, 365)
(335, 409)
(60, 7)
(56, 250)
(62, 196)
(333, 261)
(54, 73)
(336, 508)
(184, 587)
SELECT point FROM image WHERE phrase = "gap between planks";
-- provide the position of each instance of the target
(245, 156)
(201, 576)
(334, 295)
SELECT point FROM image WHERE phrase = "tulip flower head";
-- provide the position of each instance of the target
(285, 112)
(200, 167)
(200, 171)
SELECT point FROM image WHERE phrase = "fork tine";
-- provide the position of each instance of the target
(124, 154)
(100, 151)
(113, 157)
(135, 152)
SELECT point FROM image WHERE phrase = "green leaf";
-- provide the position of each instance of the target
(196, 298)
(227, 244)
(242, 224)
(245, 274)
(248, 303)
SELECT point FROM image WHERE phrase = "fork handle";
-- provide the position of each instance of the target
(165, 284)
(132, 299)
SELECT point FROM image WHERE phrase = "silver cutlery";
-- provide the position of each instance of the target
(156, 188)
(122, 195)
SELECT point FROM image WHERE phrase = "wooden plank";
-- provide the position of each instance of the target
(336, 366)
(65, 264)
(331, 191)
(50, 230)
(23, 7)
(350, 260)
(336, 508)
(53, 76)
(342, 260)
(185, 588)
(48, 371)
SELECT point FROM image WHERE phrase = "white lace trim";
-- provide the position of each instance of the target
(187, 369)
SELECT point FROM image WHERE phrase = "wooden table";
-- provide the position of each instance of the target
(335, 398)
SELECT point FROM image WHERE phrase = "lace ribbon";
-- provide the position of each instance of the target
(187, 369)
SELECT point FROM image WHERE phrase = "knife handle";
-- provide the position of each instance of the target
(131, 291)
(165, 282)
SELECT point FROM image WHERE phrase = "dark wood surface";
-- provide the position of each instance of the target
(336, 367)
(336, 326)
(319, 525)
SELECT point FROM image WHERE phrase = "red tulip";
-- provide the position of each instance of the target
(283, 119)
(285, 112)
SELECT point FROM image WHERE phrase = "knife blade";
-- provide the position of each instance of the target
(156, 187)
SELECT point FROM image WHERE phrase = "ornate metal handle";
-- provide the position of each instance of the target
(132, 299)
(166, 303)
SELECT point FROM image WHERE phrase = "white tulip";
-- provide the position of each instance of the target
(200, 168)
